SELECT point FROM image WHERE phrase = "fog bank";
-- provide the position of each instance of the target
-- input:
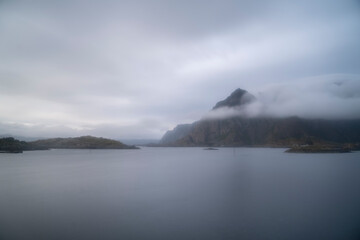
(325, 97)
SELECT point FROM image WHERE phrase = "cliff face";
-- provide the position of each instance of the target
(270, 132)
(177, 133)
(241, 131)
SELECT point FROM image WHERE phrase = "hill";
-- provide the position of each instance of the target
(11, 145)
(84, 142)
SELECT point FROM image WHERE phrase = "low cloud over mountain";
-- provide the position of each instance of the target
(133, 69)
(325, 97)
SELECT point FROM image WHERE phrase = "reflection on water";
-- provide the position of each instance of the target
(179, 193)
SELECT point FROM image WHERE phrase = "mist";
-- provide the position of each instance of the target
(322, 97)
(134, 69)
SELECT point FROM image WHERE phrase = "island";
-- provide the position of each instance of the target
(11, 145)
(318, 149)
(324, 148)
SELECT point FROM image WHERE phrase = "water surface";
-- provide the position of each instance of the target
(179, 193)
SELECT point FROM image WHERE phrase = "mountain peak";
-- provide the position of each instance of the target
(236, 98)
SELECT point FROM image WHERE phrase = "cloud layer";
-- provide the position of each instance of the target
(323, 97)
(133, 69)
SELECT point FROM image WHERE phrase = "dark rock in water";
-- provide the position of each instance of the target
(210, 148)
(237, 98)
(318, 149)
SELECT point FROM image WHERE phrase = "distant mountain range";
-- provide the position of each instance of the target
(260, 131)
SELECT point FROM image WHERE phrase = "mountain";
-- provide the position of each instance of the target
(84, 142)
(180, 131)
(281, 132)
(238, 98)
(260, 131)
(138, 142)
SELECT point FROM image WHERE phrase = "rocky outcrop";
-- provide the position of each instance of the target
(237, 98)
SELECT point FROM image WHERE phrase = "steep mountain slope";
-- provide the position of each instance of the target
(261, 131)
(270, 132)
(237, 98)
(177, 133)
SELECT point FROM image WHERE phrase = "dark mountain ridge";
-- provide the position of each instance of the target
(261, 131)
(236, 99)
(180, 131)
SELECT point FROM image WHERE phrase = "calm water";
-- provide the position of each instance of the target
(179, 193)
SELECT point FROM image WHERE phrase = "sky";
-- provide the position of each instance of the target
(135, 69)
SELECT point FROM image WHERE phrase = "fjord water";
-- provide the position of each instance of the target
(179, 193)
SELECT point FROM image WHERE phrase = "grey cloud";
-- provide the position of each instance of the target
(145, 129)
(322, 97)
(118, 63)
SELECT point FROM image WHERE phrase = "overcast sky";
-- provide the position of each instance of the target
(134, 69)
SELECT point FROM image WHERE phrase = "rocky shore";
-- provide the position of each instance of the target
(322, 149)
